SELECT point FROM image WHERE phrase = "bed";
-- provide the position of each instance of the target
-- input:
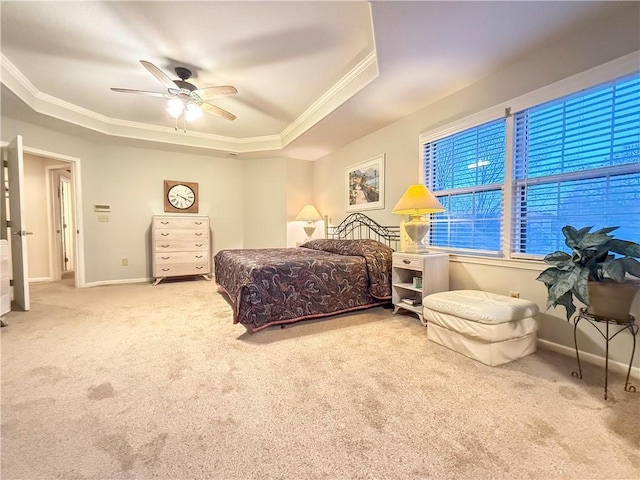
(349, 270)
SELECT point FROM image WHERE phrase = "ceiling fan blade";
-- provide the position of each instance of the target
(214, 92)
(142, 92)
(160, 75)
(213, 110)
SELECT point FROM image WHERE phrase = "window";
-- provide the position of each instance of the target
(466, 173)
(574, 161)
(577, 162)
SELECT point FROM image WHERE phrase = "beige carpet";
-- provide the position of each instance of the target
(142, 382)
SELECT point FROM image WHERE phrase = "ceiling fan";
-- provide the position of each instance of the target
(185, 99)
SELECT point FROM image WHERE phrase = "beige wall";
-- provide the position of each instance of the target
(275, 189)
(592, 45)
(299, 193)
(265, 208)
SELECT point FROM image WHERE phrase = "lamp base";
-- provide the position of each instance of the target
(309, 230)
(417, 229)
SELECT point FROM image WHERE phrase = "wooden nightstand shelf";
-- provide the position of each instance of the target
(433, 271)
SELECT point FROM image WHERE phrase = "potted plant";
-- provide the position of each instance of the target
(595, 272)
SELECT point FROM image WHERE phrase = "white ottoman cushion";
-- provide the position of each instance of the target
(481, 331)
(487, 327)
(483, 307)
(492, 354)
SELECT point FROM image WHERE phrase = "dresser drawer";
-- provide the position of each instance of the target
(180, 222)
(185, 234)
(182, 257)
(181, 245)
(178, 269)
(410, 262)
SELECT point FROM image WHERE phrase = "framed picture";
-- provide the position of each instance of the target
(364, 185)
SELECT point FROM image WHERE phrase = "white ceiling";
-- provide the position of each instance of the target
(311, 76)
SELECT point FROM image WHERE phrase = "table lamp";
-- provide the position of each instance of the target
(417, 201)
(309, 214)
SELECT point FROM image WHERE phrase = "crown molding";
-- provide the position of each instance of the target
(357, 78)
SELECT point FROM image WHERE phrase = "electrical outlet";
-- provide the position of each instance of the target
(515, 294)
(125, 262)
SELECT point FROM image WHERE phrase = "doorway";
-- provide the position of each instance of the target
(62, 223)
(47, 261)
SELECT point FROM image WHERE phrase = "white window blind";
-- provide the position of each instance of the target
(577, 162)
(466, 173)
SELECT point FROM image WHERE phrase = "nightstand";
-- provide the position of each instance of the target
(416, 275)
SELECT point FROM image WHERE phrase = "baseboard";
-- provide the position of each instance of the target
(589, 358)
(117, 282)
(40, 279)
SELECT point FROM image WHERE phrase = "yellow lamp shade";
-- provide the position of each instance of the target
(417, 200)
(309, 213)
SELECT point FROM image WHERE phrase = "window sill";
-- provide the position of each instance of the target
(536, 265)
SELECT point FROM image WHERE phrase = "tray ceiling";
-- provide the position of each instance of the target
(311, 76)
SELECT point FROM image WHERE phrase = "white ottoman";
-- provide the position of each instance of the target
(490, 328)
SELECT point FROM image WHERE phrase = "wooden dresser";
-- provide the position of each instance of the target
(181, 246)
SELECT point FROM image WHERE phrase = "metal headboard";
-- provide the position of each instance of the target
(358, 226)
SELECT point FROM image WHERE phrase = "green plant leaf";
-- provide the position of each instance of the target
(594, 240)
(581, 288)
(607, 230)
(549, 276)
(566, 301)
(615, 269)
(565, 282)
(557, 258)
(623, 247)
(572, 236)
(631, 265)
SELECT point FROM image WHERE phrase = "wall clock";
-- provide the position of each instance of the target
(180, 197)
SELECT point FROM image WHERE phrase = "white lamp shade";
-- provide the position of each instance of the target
(192, 112)
(417, 200)
(309, 213)
(175, 107)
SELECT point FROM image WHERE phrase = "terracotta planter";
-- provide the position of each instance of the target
(611, 300)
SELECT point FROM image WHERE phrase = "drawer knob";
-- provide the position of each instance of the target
(164, 246)
(199, 256)
(198, 223)
(198, 244)
(199, 268)
(164, 234)
(198, 234)
(166, 269)
(406, 261)
(165, 223)
(166, 258)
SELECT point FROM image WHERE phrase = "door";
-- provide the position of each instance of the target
(15, 167)
(66, 224)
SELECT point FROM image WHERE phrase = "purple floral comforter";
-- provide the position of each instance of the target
(323, 277)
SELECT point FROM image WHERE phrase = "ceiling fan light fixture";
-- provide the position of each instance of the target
(192, 112)
(186, 101)
(175, 107)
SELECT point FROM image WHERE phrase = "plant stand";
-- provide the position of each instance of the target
(630, 325)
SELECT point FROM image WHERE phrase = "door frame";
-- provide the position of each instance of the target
(76, 185)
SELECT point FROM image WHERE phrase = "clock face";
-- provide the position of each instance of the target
(181, 196)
